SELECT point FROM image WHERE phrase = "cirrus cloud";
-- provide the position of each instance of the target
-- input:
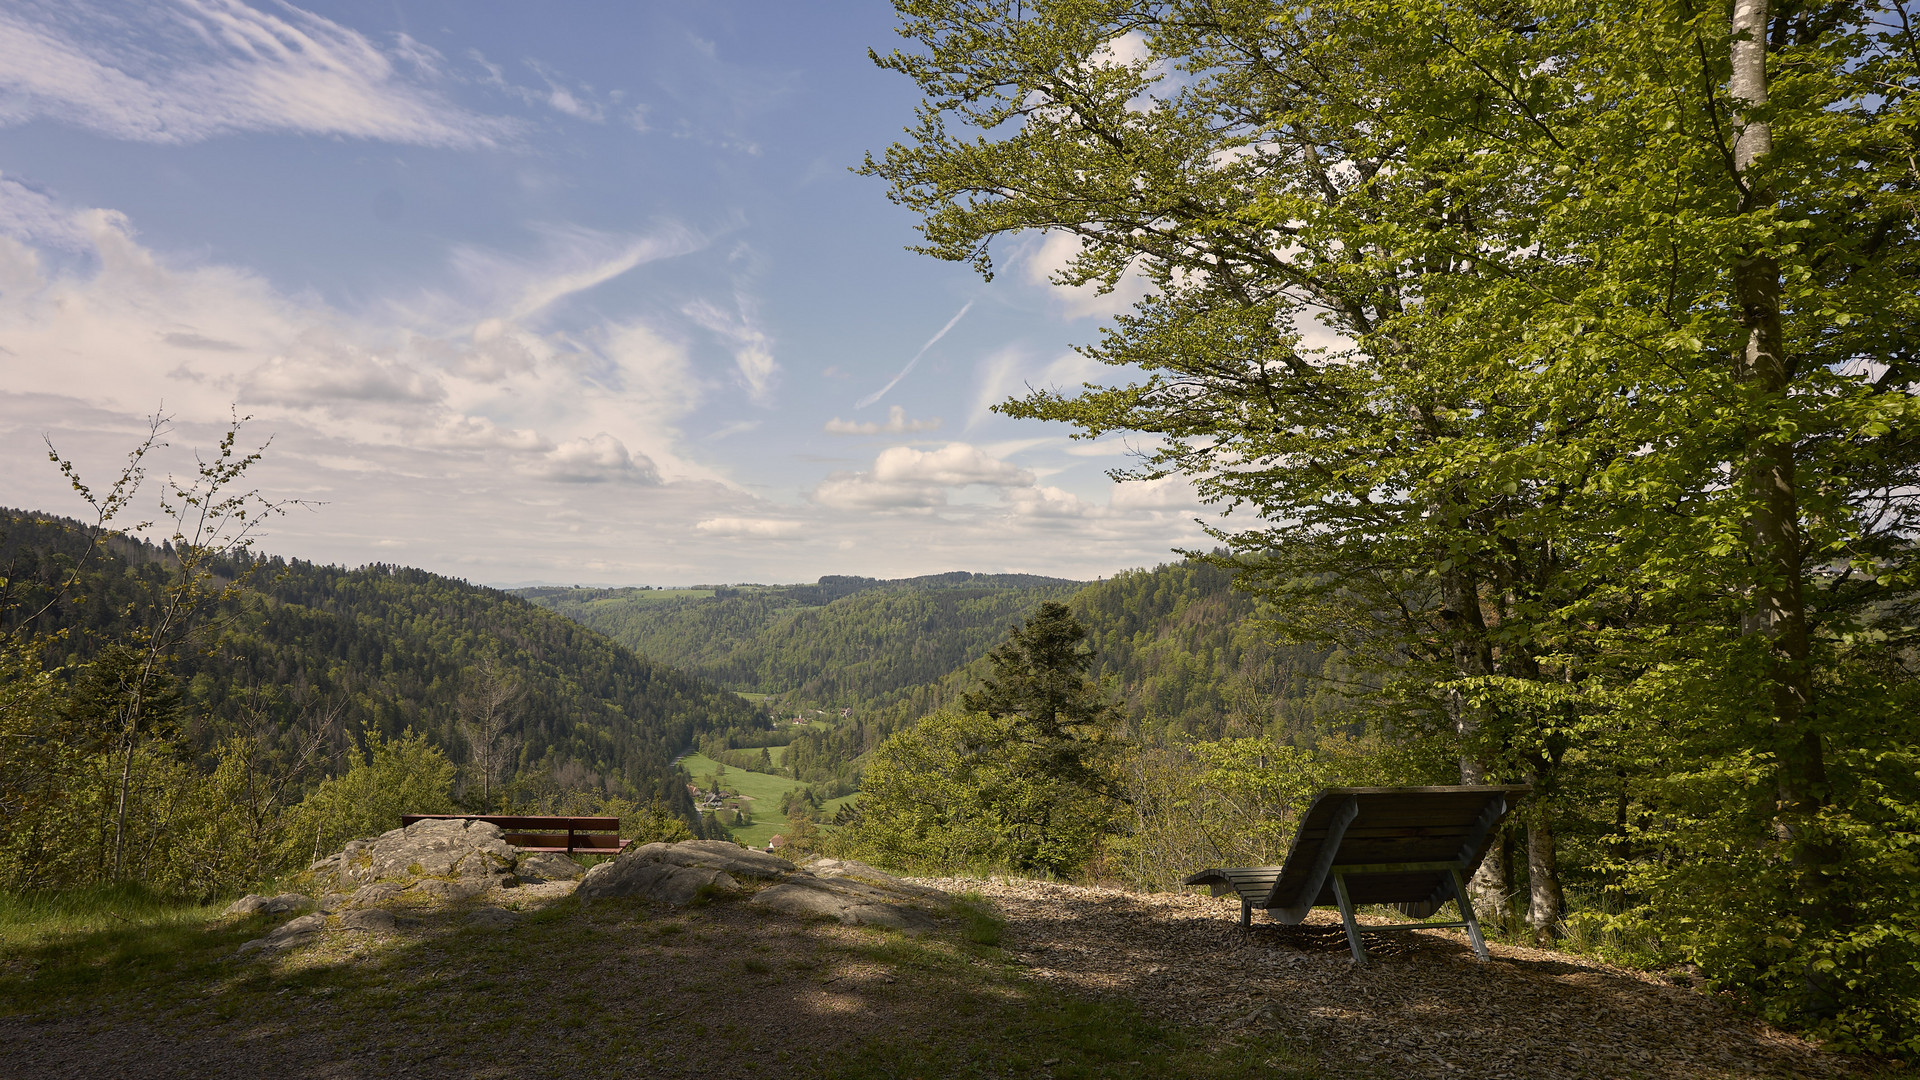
(182, 71)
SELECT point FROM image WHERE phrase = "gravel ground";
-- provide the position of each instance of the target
(1423, 1006)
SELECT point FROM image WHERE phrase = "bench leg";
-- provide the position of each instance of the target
(1246, 912)
(1467, 916)
(1346, 916)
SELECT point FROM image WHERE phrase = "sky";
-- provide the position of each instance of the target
(525, 293)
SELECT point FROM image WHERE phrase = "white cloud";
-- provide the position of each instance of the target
(1051, 502)
(1045, 263)
(181, 71)
(896, 424)
(36, 218)
(1111, 446)
(752, 347)
(326, 371)
(596, 459)
(1167, 493)
(762, 528)
(903, 477)
(1010, 373)
(574, 261)
(953, 465)
(480, 433)
(125, 329)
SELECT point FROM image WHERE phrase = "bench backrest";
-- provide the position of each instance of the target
(524, 821)
(1359, 831)
(571, 834)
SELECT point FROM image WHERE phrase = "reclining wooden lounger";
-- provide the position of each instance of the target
(1413, 848)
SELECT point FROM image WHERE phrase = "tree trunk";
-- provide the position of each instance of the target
(1773, 520)
(1545, 902)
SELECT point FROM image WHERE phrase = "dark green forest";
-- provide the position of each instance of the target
(379, 648)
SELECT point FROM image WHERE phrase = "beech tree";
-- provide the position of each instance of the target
(1561, 355)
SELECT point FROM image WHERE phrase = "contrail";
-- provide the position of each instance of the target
(882, 392)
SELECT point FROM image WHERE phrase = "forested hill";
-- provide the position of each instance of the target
(843, 641)
(1184, 652)
(388, 646)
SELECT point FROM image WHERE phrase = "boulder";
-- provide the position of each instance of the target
(299, 931)
(431, 848)
(676, 873)
(372, 919)
(255, 904)
(713, 854)
(539, 866)
(654, 879)
(853, 903)
(854, 870)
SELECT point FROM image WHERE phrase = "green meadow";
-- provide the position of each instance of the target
(762, 793)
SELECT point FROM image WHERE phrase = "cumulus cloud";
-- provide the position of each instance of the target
(1045, 265)
(1051, 502)
(903, 477)
(596, 459)
(122, 328)
(760, 528)
(896, 424)
(181, 71)
(1167, 493)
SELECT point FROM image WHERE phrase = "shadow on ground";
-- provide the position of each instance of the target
(616, 988)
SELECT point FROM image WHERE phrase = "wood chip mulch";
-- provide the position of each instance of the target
(1423, 1006)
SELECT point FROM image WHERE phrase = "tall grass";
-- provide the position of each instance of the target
(35, 919)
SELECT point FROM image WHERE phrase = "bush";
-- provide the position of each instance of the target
(387, 778)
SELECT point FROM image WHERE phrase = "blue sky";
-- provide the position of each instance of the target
(534, 297)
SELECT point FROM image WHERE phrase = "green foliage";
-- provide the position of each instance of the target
(946, 795)
(1604, 477)
(1237, 801)
(385, 778)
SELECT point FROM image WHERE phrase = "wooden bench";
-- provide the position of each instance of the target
(572, 835)
(1412, 848)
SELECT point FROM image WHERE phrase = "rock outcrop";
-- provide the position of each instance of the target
(542, 866)
(851, 892)
(433, 848)
(854, 894)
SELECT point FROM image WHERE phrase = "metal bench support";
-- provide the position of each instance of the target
(1467, 916)
(1346, 916)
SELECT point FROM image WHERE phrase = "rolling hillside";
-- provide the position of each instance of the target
(391, 648)
(844, 641)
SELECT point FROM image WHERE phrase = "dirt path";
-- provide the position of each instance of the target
(1423, 1007)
